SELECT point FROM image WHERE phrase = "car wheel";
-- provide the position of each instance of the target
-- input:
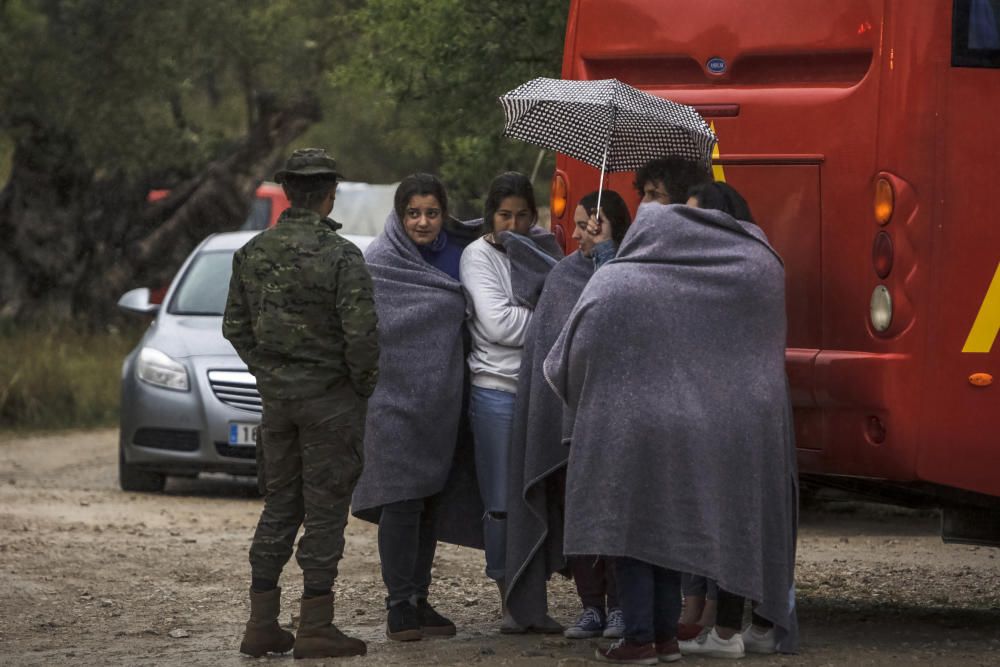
(131, 478)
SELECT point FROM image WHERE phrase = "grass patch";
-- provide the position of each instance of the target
(61, 378)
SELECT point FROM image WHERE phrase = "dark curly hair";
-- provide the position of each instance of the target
(677, 175)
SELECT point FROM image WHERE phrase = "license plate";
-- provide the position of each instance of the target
(241, 433)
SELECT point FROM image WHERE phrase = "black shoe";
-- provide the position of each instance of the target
(403, 623)
(433, 624)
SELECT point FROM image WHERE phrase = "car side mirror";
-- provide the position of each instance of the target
(137, 301)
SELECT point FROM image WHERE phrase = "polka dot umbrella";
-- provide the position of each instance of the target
(606, 123)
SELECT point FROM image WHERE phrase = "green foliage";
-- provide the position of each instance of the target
(53, 378)
(153, 89)
(428, 72)
(145, 86)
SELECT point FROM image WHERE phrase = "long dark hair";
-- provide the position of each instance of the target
(722, 197)
(508, 184)
(615, 210)
(419, 184)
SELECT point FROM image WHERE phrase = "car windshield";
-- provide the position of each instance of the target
(205, 285)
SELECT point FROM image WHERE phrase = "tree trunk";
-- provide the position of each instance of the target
(73, 239)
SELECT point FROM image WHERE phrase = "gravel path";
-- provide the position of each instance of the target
(95, 576)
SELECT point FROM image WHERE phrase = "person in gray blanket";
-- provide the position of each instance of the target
(538, 452)
(672, 363)
(414, 417)
(724, 639)
(502, 273)
(599, 237)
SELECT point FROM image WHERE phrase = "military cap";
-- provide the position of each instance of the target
(308, 162)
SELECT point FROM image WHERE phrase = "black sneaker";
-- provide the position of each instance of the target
(402, 623)
(433, 624)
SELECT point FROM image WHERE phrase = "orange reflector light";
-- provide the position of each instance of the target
(980, 379)
(558, 198)
(884, 201)
(882, 254)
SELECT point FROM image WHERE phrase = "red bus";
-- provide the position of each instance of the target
(861, 132)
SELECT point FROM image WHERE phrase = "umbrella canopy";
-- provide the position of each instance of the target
(606, 123)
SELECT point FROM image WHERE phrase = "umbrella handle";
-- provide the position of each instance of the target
(604, 159)
(600, 185)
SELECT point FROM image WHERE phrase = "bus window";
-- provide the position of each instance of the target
(975, 33)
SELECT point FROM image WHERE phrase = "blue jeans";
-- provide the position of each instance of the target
(492, 415)
(650, 597)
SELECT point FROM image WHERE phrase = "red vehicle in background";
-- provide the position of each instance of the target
(861, 132)
(268, 203)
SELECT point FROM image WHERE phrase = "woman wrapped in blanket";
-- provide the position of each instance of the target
(413, 428)
(502, 273)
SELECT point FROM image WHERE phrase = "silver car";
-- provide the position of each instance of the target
(188, 404)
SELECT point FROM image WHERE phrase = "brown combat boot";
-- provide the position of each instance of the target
(263, 635)
(318, 637)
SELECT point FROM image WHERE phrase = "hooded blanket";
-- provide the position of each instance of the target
(683, 453)
(537, 452)
(415, 446)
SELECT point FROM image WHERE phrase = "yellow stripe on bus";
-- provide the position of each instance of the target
(987, 325)
(718, 173)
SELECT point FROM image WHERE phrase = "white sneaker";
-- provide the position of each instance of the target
(711, 645)
(615, 627)
(757, 641)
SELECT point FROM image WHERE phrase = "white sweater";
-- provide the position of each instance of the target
(497, 324)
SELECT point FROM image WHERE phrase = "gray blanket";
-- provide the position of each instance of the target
(414, 446)
(537, 453)
(531, 259)
(683, 453)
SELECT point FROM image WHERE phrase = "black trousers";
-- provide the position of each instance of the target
(595, 581)
(650, 599)
(407, 540)
(729, 613)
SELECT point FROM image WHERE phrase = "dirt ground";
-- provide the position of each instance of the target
(90, 575)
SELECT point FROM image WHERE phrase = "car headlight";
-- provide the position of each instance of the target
(158, 369)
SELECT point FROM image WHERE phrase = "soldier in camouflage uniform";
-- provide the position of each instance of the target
(300, 314)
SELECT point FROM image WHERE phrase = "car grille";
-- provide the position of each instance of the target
(162, 438)
(236, 388)
(236, 452)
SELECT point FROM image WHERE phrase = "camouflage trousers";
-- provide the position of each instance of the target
(312, 452)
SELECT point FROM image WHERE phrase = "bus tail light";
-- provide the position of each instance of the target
(560, 195)
(881, 309)
(882, 254)
(884, 201)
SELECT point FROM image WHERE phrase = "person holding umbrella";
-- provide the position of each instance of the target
(538, 450)
(662, 180)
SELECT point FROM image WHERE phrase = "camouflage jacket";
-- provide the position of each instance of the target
(300, 311)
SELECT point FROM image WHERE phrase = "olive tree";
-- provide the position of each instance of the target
(105, 99)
